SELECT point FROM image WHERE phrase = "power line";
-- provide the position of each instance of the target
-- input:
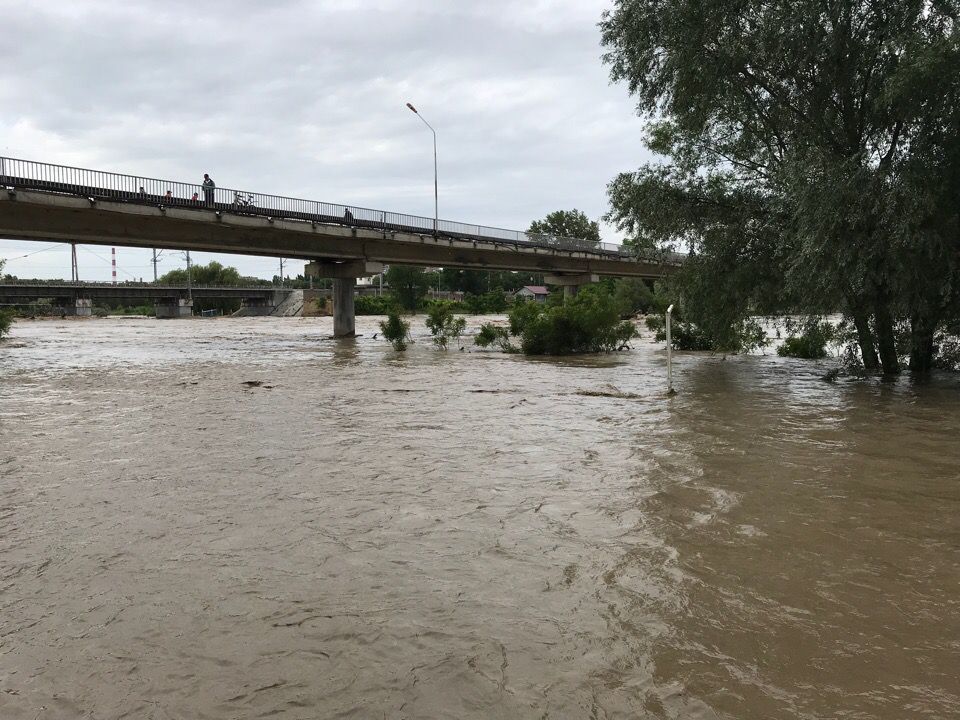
(108, 261)
(21, 257)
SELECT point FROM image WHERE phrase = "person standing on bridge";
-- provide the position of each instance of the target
(208, 187)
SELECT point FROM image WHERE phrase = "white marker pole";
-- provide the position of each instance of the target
(669, 354)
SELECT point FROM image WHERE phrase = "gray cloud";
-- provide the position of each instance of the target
(307, 99)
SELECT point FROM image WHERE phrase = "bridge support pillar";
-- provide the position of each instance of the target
(344, 276)
(84, 307)
(174, 308)
(570, 283)
(344, 318)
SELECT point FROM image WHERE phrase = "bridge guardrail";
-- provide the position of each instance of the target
(98, 184)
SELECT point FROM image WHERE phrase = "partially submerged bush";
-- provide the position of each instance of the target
(948, 353)
(811, 343)
(6, 320)
(747, 336)
(683, 335)
(490, 334)
(444, 325)
(396, 330)
(589, 323)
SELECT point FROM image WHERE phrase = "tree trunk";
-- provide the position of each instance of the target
(921, 343)
(868, 350)
(886, 342)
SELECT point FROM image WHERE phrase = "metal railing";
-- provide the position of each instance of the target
(97, 184)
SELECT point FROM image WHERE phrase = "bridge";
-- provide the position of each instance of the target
(77, 298)
(39, 201)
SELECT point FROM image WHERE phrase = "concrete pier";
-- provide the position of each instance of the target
(570, 283)
(174, 308)
(344, 276)
(83, 307)
(344, 319)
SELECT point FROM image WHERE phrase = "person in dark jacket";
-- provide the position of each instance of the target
(208, 187)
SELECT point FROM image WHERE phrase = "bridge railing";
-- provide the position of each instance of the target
(97, 184)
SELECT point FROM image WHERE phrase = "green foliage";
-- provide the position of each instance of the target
(522, 314)
(746, 335)
(632, 296)
(105, 308)
(948, 355)
(396, 330)
(587, 324)
(211, 274)
(490, 334)
(373, 304)
(408, 284)
(444, 325)
(488, 303)
(567, 223)
(6, 320)
(813, 161)
(811, 343)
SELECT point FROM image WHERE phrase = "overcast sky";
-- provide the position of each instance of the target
(307, 98)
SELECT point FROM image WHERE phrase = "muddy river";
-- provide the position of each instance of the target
(241, 518)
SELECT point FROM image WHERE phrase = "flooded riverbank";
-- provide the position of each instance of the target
(244, 518)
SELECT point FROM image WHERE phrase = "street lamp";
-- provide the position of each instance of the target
(436, 201)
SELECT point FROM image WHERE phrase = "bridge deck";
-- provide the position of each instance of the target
(50, 202)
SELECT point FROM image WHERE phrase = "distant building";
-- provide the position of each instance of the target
(537, 293)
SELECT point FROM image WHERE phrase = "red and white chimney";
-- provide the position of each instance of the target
(113, 263)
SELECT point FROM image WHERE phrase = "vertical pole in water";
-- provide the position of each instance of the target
(669, 353)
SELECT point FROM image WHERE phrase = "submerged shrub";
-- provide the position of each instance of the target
(589, 323)
(684, 335)
(444, 325)
(396, 330)
(810, 344)
(490, 334)
(6, 320)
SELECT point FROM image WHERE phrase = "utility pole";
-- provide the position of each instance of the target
(281, 272)
(154, 261)
(74, 272)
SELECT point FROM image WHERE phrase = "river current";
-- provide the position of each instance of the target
(242, 518)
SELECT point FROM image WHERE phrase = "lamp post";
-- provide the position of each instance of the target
(436, 194)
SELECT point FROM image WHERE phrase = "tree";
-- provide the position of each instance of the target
(396, 330)
(408, 284)
(812, 149)
(568, 224)
(444, 325)
(6, 317)
(211, 274)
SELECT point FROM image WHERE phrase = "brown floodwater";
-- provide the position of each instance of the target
(241, 518)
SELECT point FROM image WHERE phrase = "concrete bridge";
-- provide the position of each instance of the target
(170, 300)
(39, 201)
